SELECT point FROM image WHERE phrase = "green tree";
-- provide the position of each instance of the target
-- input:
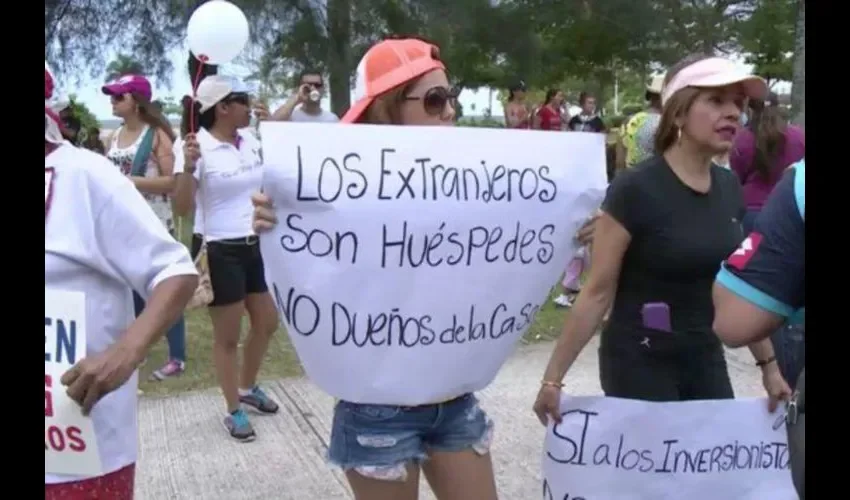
(706, 26)
(170, 106)
(77, 32)
(123, 65)
(798, 88)
(767, 38)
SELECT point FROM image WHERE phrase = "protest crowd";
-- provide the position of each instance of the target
(694, 240)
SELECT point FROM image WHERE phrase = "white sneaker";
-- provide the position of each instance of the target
(563, 300)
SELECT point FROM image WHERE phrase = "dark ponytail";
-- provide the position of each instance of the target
(197, 72)
(768, 126)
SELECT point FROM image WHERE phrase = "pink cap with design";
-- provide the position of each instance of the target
(129, 84)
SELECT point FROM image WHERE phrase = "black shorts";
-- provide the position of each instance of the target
(236, 268)
(650, 365)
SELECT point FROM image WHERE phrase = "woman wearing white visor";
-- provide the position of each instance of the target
(225, 167)
(96, 227)
(666, 226)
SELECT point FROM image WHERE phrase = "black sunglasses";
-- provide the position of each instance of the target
(435, 99)
(117, 97)
(239, 98)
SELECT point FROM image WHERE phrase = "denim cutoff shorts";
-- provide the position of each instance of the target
(378, 441)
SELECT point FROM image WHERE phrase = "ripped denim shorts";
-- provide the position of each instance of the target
(378, 441)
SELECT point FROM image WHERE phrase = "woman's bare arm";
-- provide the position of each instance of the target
(163, 155)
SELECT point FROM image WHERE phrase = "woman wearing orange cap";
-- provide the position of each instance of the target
(403, 82)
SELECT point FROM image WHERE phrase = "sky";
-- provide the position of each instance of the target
(474, 101)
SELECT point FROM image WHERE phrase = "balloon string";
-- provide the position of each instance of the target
(195, 82)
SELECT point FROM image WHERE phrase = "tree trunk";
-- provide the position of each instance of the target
(798, 88)
(339, 54)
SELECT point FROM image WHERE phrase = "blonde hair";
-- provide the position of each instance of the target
(676, 106)
(386, 108)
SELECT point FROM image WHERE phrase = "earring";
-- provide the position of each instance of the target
(679, 135)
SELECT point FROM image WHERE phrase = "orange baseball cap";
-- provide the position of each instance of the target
(386, 65)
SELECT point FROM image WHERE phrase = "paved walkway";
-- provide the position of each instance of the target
(185, 453)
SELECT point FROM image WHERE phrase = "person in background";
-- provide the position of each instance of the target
(97, 225)
(638, 133)
(667, 223)
(70, 123)
(305, 105)
(571, 283)
(517, 114)
(548, 117)
(217, 170)
(588, 120)
(763, 151)
(92, 141)
(142, 149)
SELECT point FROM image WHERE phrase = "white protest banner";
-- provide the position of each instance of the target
(621, 449)
(408, 261)
(70, 446)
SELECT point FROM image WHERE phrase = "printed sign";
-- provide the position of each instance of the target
(408, 261)
(70, 446)
(621, 449)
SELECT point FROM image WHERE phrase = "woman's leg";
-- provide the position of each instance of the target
(227, 278)
(117, 485)
(459, 465)
(571, 283)
(380, 448)
(263, 316)
(176, 338)
(368, 488)
(176, 362)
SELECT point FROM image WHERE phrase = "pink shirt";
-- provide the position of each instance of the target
(756, 189)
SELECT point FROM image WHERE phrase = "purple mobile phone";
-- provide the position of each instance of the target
(656, 315)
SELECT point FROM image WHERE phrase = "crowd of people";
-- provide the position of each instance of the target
(671, 219)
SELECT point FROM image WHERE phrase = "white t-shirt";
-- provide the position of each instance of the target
(299, 115)
(123, 159)
(231, 176)
(102, 239)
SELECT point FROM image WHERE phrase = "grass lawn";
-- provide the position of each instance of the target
(281, 360)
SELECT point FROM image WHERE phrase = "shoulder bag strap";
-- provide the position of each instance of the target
(143, 154)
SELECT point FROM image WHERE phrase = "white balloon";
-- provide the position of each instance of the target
(217, 32)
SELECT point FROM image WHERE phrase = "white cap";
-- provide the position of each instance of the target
(214, 88)
(712, 73)
(656, 85)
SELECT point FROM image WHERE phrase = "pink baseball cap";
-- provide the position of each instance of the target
(136, 84)
(387, 65)
(712, 73)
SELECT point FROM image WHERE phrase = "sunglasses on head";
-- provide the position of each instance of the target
(435, 99)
